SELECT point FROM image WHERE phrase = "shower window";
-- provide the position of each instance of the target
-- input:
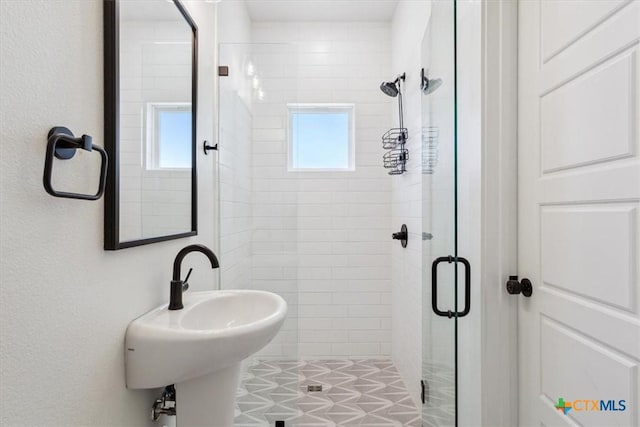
(321, 137)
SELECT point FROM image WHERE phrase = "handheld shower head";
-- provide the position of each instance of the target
(392, 89)
(389, 88)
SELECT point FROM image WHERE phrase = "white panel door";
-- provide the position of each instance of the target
(579, 212)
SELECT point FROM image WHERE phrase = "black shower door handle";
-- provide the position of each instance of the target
(467, 286)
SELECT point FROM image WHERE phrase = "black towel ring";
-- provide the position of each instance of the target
(63, 145)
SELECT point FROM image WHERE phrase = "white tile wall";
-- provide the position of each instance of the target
(322, 239)
(235, 124)
(154, 202)
(408, 27)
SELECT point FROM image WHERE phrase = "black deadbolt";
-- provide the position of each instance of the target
(515, 287)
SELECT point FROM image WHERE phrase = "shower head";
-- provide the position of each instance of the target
(429, 85)
(392, 88)
(389, 88)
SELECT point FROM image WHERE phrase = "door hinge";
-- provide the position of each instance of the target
(423, 391)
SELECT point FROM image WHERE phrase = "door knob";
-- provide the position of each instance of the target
(515, 287)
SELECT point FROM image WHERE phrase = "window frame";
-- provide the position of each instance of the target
(322, 108)
(152, 144)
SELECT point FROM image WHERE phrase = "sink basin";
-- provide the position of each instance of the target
(199, 348)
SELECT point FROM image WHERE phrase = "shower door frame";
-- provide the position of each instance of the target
(498, 328)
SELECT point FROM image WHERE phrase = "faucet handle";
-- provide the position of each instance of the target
(185, 282)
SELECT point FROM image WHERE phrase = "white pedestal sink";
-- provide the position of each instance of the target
(199, 349)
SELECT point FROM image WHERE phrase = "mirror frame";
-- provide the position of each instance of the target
(112, 129)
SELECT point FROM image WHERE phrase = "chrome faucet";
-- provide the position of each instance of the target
(178, 286)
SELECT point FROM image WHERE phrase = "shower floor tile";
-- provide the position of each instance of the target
(359, 392)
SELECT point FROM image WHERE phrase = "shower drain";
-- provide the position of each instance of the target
(314, 388)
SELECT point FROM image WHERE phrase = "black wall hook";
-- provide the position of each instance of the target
(208, 147)
(63, 145)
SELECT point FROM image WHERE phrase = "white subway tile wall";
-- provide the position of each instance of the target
(410, 201)
(235, 191)
(235, 124)
(322, 239)
(152, 202)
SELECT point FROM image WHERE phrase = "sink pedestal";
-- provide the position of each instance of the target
(199, 349)
(208, 401)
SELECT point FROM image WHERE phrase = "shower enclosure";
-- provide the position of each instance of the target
(445, 296)
(314, 224)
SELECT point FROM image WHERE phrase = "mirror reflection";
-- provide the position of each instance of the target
(156, 147)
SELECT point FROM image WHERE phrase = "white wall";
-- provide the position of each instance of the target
(65, 301)
(407, 29)
(234, 22)
(234, 147)
(322, 239)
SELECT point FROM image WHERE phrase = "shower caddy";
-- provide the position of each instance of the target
(394, 140)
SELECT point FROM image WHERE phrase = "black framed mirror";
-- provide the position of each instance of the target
(150, 96)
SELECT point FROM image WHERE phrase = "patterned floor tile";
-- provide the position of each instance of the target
(362, 392)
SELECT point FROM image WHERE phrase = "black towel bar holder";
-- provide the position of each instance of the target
(63, 145)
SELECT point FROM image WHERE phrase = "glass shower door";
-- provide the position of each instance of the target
(444, 292)
(259, 215)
